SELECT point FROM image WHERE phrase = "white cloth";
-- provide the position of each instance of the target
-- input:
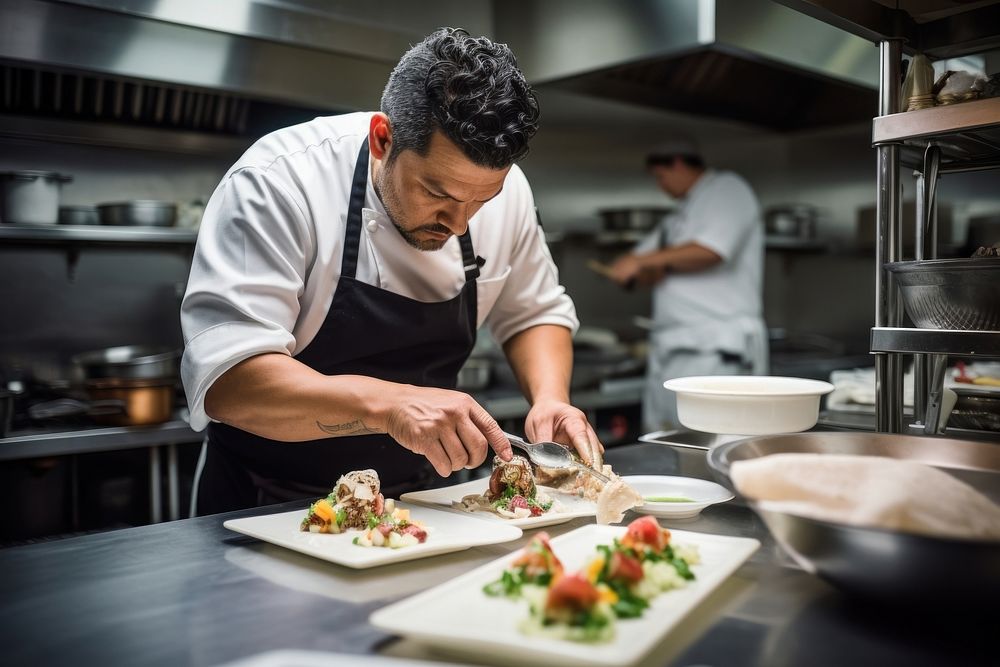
(698, 315)
(269, 252)
(872, 491)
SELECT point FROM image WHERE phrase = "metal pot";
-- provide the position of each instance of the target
(129, 362)
(632, 219)
(31, 197)
(795, 221)
(139, 212)
(78, 215)
(144, 401)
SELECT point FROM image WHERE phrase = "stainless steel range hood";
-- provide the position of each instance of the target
(750, 60)
(754, 61)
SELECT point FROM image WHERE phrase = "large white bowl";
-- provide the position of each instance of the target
(748, 404)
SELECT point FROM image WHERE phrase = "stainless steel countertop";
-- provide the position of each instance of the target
(192, 593)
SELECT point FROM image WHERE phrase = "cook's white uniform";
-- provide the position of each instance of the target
(269, 253)
(707, 322)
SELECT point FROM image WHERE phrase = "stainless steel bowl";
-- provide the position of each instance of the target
(951, 293)
(139, 212)
(885, 565)
(977, 409)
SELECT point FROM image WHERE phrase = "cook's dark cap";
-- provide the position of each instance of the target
(673, 148)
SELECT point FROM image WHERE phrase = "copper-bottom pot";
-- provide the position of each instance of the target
(149, 401)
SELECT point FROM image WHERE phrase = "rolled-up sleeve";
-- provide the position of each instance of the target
(247, 275)
(531, 294)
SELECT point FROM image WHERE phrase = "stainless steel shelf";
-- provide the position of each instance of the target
(118, 135)
(936, 341)
(967, 133)
(90, 234)
(57, 443)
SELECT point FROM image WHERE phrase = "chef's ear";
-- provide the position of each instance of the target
(380, 136)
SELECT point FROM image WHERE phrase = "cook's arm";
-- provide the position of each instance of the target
(647, 268)
(277, 397)
(542, 358)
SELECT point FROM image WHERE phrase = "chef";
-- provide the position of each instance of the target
(705, 265)
(342, 270)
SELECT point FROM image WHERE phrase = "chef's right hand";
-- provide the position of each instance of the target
(448, 427)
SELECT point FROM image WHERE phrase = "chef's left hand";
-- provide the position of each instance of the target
(560, 422)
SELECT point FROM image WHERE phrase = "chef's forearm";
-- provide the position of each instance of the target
(542, 359)
(277, 397)
(683, 258)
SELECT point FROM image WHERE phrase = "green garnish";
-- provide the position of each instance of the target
(667, 499)
(341, 516)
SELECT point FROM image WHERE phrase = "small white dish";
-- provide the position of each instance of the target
(572, 507)
(457, 617)
(701, 493)
(446, 532)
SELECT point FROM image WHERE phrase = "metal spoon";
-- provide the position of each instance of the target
(553, 455)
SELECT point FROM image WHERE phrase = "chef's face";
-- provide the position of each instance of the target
(430, 198)
(674, 179)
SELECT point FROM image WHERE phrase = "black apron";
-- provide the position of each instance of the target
(368, 331)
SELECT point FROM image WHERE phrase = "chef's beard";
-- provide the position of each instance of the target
(392, 205)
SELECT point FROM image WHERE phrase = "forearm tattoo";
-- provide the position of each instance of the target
(356, 427)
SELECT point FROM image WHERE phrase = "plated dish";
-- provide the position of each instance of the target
(565, 506)
(494, 623)
(672, 497)
(356, 526)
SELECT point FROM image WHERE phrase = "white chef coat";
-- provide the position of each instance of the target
(698, 314)
(269, 251)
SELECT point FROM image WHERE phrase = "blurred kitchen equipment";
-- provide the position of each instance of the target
(475, 374)
(889, 566)
(865, 237)
(31, 197)
(71, 407)
(951, 293)
(139, 212)
(129, 362)
(976, 409)
(6, 410)
(78, 215)
(632, 219)
(918, 86)
(795, 221)
(747, 404)
(146, 401)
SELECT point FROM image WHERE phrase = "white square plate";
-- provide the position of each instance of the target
(459, 617)
(572, 506)
(446, 532)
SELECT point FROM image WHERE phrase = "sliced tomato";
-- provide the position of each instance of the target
(647, 531)
(572, 592)
(624, 568)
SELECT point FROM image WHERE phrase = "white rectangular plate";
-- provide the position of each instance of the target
(446, 532)
(458, 616)
(572, 506)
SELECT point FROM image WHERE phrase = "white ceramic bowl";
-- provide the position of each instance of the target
(748, 404)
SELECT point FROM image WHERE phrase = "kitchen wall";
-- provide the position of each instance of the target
(589, 155)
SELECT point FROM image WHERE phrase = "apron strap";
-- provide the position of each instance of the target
(470, 262)
(352, 239)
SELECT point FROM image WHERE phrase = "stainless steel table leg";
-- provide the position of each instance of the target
(155, 499)
(173, 485)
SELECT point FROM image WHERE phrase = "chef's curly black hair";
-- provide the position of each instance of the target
(468, 87)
